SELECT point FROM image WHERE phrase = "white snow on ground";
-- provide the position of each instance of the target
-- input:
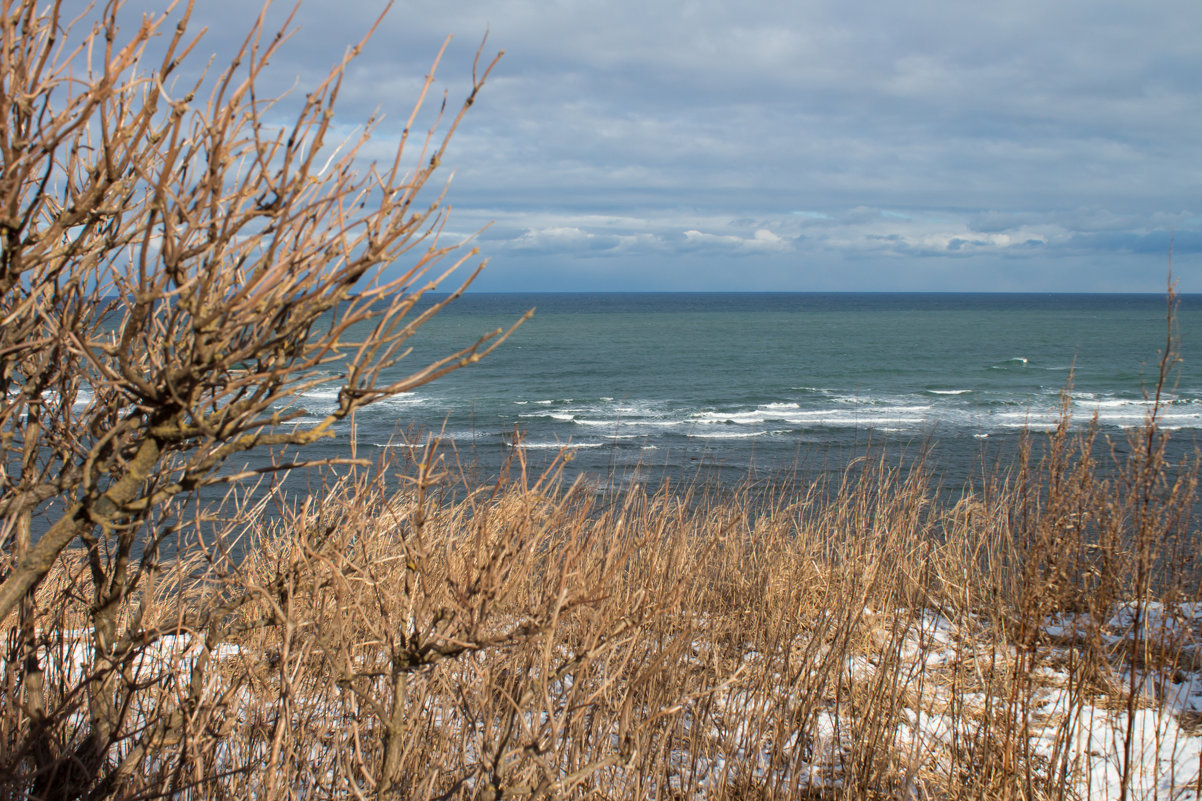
(1087, 732)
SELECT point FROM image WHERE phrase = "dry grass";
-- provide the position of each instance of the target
(534, 639)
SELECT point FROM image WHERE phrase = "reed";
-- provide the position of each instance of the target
(430, 639)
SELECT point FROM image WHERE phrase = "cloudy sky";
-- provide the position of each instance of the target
(1033, 145)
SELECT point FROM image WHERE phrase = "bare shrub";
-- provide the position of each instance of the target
(177, 267)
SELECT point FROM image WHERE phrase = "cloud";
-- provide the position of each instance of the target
(561, 239)
(762, 240)
(1067, 132)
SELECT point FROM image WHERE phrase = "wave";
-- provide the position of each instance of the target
(726, 434)
(305, 421)
(565, 417)
(948, 408)
(864, 414)
(1116, 403)
(618, 423)
(320, 394)
(405, 399)
(554, 445)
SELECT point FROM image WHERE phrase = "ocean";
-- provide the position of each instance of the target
(726, 387)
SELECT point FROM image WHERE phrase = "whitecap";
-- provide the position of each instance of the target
(1114, 403)
(551, 446)
(610, 423)
(404, 399)
(626, 422)
(727, 434)
(321, 393)
(561, 416)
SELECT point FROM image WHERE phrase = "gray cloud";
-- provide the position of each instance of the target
(631, 142)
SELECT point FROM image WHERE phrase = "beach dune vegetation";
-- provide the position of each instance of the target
(177, 267)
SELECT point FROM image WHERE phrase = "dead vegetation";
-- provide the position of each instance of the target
(175, 271)
(529, 639)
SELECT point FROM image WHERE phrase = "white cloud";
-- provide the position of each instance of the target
(761, 240)
(564, 238)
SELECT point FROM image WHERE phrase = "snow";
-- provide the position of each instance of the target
(1087, 731)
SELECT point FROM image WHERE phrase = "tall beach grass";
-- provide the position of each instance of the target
(402, 635)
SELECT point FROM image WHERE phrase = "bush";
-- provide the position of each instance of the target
(176, 268)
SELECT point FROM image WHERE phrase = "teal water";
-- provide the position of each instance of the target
(661, 383)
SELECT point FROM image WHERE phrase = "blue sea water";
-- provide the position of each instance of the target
(659, 385)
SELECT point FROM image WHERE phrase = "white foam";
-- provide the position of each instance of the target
(404, 399)
(866, 414)
(626, 422)
(1033, 425)
(561, 416)
(552, 446)
(1113, 403)
(321, 393)
(727, 434)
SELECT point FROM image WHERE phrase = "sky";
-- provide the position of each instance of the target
(762, 145)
